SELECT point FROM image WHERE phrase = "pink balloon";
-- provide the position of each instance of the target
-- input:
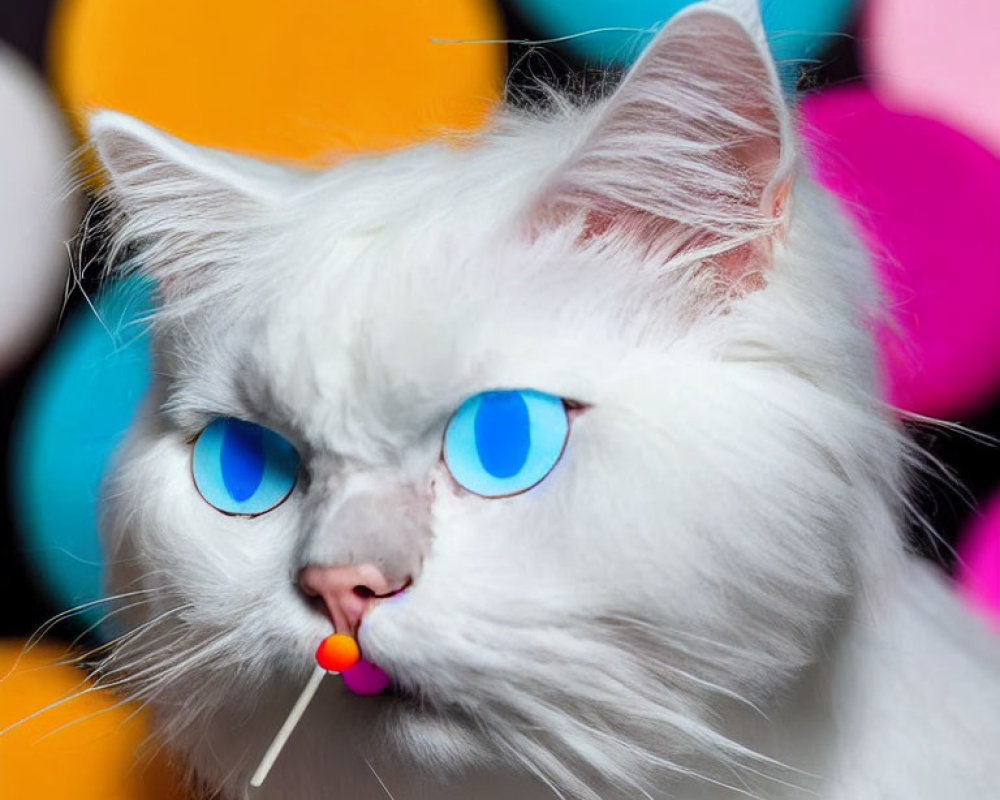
(978, 571)
(938, 59)
(926, 199)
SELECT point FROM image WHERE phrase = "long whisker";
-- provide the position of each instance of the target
(132, 697)
(71, 612)
(49, 624)
(379, 779)
(70, 723)
(116, 644)
(98, 686)
(83, 688)
(110, 615)
(72, 695)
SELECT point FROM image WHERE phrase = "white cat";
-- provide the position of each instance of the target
(707, 596)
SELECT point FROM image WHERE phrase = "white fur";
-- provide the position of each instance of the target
(707, 598)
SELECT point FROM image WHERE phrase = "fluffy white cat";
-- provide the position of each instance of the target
(708, 595)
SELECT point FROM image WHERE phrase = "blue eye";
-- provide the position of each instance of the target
(242, 468)
(504, 442)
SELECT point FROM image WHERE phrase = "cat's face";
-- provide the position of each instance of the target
(688, 548)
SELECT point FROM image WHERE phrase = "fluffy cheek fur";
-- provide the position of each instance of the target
(645, 581)
(598, 619)
(210, 597)
(688, 552)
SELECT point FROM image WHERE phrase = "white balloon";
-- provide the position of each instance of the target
(36, 216)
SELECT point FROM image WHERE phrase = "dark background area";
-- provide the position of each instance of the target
(974, 463)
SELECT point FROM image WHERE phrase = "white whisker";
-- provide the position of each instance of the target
(379, 779)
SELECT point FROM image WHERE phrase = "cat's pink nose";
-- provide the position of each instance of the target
(346, 591)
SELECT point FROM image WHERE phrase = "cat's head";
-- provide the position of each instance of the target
(658, 275)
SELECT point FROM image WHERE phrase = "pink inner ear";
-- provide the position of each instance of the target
(776, 197)
(741, 269)
(744, 269)
(685, 153)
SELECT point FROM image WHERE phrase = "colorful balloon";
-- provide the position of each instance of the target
(937, 60)
(299, 80)
(59, 737)
(36, 215)
(608, 33)
(978, 571)
(76, 409)
(926, 198)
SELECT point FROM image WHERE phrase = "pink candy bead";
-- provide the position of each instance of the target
(365, 678)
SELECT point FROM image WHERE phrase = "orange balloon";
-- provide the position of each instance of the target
(85, 748)
(297, 80)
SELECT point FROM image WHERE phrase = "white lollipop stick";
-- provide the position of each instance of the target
(286, 730)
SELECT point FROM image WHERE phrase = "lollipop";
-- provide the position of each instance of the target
(335, 654)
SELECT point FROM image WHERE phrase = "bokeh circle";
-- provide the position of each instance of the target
(926, 199)
(63, 738)
(37, 212)
(299, 80)
(614, 33)
(74, 414)
(938, 61)
(978, 571)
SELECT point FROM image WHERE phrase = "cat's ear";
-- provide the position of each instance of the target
(185, 208)
(692, 155)
(146, 166)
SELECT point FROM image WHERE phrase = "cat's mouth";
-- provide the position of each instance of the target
(366, 593)
(319, 605)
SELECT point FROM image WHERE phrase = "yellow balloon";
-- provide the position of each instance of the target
(304, 80)
(86, 748)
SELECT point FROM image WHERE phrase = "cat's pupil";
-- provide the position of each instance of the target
(503, 433)
(242, 459)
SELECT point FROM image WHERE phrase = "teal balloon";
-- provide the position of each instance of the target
(798, 30)
(76, 410)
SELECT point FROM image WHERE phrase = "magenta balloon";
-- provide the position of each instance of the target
(926, 198)
(978, 572)
(937, 59)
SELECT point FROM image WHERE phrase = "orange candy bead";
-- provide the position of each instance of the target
(337, 652)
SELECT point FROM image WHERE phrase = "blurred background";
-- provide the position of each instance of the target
(899, 101)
